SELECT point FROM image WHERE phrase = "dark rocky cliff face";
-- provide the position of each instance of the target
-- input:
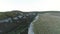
(15, 22)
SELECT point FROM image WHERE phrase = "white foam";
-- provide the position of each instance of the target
(30, 30)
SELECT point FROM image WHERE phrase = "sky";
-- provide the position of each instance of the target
(30, 5)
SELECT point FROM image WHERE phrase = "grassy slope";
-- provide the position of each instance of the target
(6, 14)
(47, 24)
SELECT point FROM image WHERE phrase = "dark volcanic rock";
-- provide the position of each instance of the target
(15, 22)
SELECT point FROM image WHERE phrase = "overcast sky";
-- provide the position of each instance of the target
(30, 5)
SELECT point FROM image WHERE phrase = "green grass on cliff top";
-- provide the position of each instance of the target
(7, 14)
